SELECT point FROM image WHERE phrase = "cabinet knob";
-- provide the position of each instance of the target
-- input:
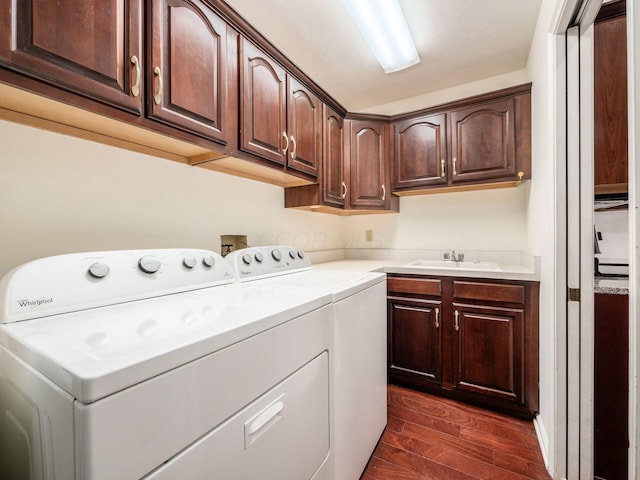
(344, 190)
(157, 97)
(437, 324)
(293, 148)
(456, 321)
(286, 145)
(135, 89)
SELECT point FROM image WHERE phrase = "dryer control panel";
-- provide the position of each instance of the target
(78, 281)
(261, 262)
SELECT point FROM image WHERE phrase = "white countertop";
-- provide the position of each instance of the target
(513, 265)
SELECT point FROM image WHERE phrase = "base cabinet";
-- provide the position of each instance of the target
(471, 339)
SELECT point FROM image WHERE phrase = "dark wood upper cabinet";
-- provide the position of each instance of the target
(187, 74)
(334, 187)
(90, 48)
(369, 185)
(483, 142)
(610, 100)
(304, 126)
(421, 152)
(280, 118)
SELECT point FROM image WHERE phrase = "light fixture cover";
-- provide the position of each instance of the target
(385, 29)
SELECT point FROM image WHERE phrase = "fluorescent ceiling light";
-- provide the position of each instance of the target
(385, 29)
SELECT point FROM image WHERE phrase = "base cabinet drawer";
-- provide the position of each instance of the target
(471, 339)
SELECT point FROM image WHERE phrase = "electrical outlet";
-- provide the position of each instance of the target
(368, 235)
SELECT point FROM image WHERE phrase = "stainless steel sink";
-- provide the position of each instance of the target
(451, 265)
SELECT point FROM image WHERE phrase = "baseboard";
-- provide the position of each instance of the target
(542, 441)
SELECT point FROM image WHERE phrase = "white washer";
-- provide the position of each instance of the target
(155, 364)
(359, 363)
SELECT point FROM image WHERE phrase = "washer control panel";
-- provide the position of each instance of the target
(260, 262)
(67, 283)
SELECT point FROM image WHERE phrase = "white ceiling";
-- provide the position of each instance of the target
(459, 41)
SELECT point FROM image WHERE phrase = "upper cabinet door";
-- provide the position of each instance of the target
(483, 142)
(304, 123)
(188, 71)
(90, 48)
(420, 152)
(334, 188)
(263, 103)
(369, 186)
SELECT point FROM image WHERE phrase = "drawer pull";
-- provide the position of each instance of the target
(456, 321)
(158, 95)
(437, 318)
(344, 190)
(294, 148)
(286, 145)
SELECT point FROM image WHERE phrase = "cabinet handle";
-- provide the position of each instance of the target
(293, 148)
(286, 145)
(344, 190)
(157, 97)
(384, 193)
(442, 171)
(437, 317)
(456, 322)
(135, 89)
(455, 171)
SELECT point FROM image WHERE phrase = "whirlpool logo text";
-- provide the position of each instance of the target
(26, 303)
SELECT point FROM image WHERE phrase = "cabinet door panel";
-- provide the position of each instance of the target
(420, 152)
(304, 129)
(188, 75)
(489, 351)
(483, 142)
(368, 186)
(263, 104)
(415, 338)
(333, 181)
(85, 47)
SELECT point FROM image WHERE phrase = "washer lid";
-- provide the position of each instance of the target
(97, 352)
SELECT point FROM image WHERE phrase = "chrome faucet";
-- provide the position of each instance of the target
(453, 257)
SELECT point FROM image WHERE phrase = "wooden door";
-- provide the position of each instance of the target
(263, 103)
(610, 102)
(304, 127)
(415, 339)
(483, 142)
(90, 48)
(368, 186)
(334, 187)
(420, 152)
(488, 351)
(187, 85)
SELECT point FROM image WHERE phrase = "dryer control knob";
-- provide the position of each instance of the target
(300, 254)
(99, 270)
(149, 264)
(246, 258)
(189, 262)
(292, 254)
(276, 254)
(259, 257)
(208, 261)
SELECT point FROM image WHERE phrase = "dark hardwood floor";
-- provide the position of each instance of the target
(429, 437)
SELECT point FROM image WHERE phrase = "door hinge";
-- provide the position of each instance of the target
(573, 294)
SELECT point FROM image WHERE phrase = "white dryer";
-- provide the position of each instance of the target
(157, 365)
(359, 362)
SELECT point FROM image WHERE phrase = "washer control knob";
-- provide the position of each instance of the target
(300, 254)
(208, 261)
(276, 254)
(99, 270)
(259, 257)
(149, 264)
(292, 254)
(189, 262)
(246, 258)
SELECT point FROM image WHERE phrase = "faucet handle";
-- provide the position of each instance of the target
(446, 256)
(461, 257)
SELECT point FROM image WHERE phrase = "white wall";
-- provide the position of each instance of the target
(59, 194)
(541, 212)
